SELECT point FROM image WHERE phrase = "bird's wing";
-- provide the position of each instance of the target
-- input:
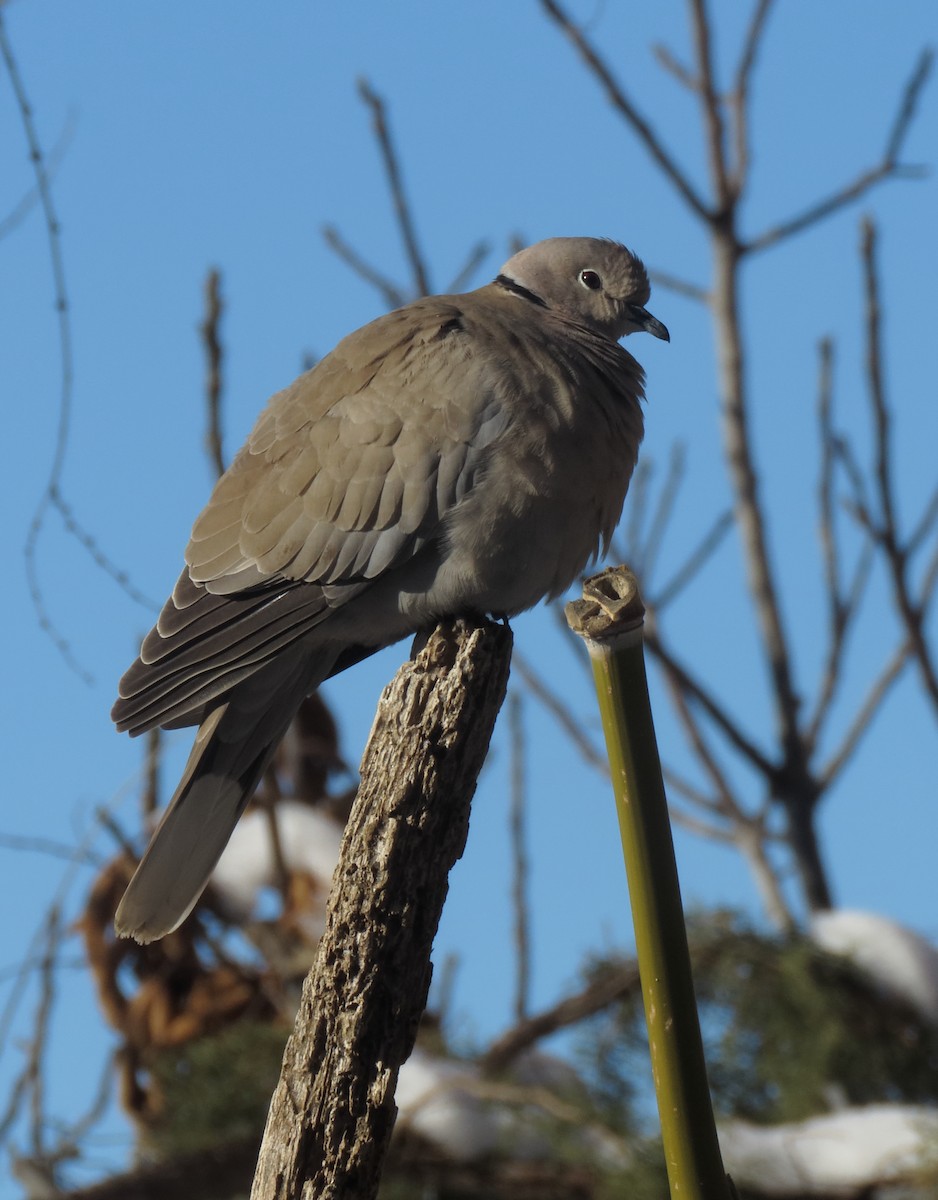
(347, 474)
(349, 471)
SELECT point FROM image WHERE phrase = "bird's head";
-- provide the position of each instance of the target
(594, 281)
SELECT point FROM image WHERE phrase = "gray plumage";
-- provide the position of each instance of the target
(463, 455)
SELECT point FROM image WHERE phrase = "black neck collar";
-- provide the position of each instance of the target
(516, 289)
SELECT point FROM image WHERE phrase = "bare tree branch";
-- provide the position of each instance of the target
(636, 510)
(691, 686)
(726, 804)
(710, 104)
(888, 167)
(519, 873)
(829, 547)
(623, 104)
(910, 611)
(695, 561)
(54, 237)
(677, 783)
(828, 206)
(739, 96)
(52, 494)
(842, 606)
(40, 1041)
(97, 555)
(664, 510)
(209, 329)
(43, 845)
(561, 712)
(98, 1106)
(392, 170)
(150, 796)
(391, 294)
(477, 255)
(668, 62)
(682, 287)
(865, 714)
(21, 211)
(924, 526)
(597, 995)
(910, 99)
(700, 828)
(752, 843)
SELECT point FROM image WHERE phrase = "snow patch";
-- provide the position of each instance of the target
(310, 841)
(833, 1155)
(902, 963)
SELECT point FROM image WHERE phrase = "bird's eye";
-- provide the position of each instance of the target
(590, 280)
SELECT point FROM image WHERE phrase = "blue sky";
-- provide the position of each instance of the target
(204, 135)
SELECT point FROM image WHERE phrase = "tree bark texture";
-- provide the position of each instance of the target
(332, 1113)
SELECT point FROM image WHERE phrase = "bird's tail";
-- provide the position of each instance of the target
(233, 747)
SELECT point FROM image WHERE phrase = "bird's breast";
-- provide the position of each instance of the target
(548, 494)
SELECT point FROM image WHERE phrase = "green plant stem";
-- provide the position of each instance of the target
(609, 618)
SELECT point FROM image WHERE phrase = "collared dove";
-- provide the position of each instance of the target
(462, 455)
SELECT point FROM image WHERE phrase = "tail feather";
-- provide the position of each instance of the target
(155, 690)
(232, 749)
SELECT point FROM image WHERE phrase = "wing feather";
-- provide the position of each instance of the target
(348, 472)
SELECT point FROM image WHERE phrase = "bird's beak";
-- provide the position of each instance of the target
(644, 320)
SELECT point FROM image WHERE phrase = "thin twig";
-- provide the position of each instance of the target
(52, 495)
(391, 294)
(677, 783)
(832, 673)
(33, 964)
(752, 842)
(670, 63)
(639, 491)
(561, 712)
(896, 554)
(683, 287)
(887, 168)
(830, 550)
(929, 581)
(40, 1041)
(271, 798)
(726, 804)
(842, 606)
(691, 686)
(98, 557)
(21, 211)
(700, 828)
(739, 97)
(598, 994)
(865, 714)
(910, 98)
(695, 561)
(924, 526)
(663, 512)
(477, 255)
(710, 103)
(519, 874)
(859, 507)
(624, 105)
(829, 547)
(150, 796)
(99, 1103)
(392, 170)
(751, 42)
(54, 237)
(43, 845)
(209, 329)
(108, 822)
